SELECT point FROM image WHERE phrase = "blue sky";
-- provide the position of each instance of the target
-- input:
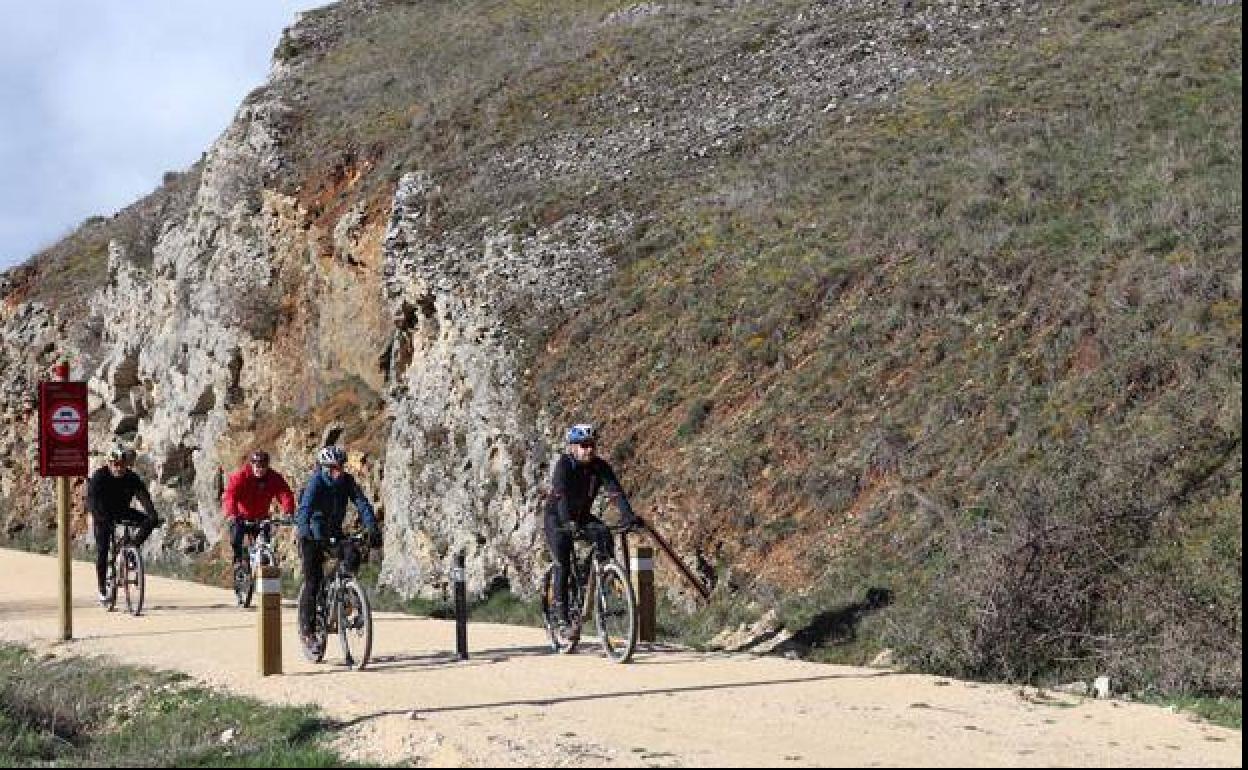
(99, 98)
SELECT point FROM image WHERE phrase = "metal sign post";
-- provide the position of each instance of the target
(461, 607)
(62, 454)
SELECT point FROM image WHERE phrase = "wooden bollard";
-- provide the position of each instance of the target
(643, 586)
(269, 620)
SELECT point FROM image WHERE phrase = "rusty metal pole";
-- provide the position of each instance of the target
(698, 585)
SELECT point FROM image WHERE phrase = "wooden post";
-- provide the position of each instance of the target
(643, 586)
(269, 620)
(63, 557)
(63, 454)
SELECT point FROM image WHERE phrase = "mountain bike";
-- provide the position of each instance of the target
(260, 553)
(342, 607)
(597, 584)
(125, 570)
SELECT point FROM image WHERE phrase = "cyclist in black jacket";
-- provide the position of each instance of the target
(577, 478)
(109, 493)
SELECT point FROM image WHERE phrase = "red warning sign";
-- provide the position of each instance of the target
(63, 429)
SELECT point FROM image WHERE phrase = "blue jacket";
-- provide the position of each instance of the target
(323, 506)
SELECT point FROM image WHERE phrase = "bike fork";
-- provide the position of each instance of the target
(346, 651)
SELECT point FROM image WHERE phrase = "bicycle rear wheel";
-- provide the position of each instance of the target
(615, 612)
(134, 580)
(355, 624)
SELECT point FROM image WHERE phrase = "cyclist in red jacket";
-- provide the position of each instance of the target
(248, 494)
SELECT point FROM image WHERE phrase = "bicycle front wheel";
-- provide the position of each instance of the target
(355, 624)
(615, 612)
(133, 579)
(244, 584)
(111, 576)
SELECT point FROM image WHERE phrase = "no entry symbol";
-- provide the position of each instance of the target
(66, 421)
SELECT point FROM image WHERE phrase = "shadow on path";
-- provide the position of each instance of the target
(555, 701)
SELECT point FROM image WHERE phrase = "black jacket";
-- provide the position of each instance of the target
(573, 487)
(108, 494)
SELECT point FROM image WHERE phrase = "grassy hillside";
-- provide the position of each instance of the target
(982, 349)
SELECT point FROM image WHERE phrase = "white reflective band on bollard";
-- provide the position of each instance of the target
(269, 585)
(643, 565)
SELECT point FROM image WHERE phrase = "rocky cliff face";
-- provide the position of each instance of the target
(190, 349)
(465, 458)
(282, 307)
(255, 321)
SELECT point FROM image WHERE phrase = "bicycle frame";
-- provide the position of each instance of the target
(587, 572)
(589, 568)
(333, 613)
(119, 569)
(261, 545)
(123, 535)
(597, 585)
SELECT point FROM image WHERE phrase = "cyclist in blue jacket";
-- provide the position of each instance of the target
(322, 508)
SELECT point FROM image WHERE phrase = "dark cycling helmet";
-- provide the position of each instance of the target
(259, 457)
(582, 433)
(332, 455)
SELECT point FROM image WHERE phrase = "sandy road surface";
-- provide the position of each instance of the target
(513, 703)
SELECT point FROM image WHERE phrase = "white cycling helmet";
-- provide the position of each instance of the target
(332, 455)
(582, 433)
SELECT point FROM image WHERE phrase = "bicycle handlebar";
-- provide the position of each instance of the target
(359, 538)
(625, 528)
(576, 530)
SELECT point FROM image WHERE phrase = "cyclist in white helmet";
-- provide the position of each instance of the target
(322, 508)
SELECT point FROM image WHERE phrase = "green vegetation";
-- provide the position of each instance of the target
(74, 711)
(424, 82)
(1227, 712)
(982, 349)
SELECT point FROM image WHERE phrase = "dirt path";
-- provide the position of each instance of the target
(513, 703)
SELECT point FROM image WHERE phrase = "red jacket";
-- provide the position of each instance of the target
(248, 498)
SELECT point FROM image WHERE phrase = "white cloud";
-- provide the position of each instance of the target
(101, 98)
